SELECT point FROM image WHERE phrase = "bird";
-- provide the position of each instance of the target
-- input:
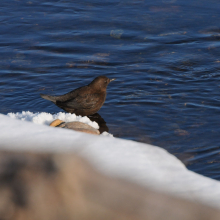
(85, 100)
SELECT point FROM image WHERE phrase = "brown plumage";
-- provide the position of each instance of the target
(86, 100)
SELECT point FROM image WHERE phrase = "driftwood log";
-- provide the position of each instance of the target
(65, 187)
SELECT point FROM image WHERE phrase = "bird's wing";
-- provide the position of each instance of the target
(71, 95)
(81, 101)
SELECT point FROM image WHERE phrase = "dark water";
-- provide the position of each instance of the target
(165, 55)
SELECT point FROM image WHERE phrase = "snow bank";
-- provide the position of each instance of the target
(142, 163)
(46, 118)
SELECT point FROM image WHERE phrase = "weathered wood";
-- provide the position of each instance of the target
(58, 186)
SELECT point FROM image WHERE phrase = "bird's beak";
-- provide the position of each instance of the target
(112, 79)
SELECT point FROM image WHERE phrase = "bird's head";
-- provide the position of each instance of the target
(101, 83)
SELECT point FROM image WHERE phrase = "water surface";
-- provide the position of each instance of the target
(165, 55)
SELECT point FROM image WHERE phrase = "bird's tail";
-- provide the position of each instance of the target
(48, 97)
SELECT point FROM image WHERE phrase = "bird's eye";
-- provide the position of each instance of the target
(105, 81)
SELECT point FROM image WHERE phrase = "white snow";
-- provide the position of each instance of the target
(46, 118)
(142, 163)
(105, 133)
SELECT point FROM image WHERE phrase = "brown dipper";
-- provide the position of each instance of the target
(86, 100)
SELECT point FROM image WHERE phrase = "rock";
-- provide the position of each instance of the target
(76, 126)
(56, 122)
(60, 186)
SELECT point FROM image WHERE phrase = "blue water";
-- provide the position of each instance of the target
(165, 55)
